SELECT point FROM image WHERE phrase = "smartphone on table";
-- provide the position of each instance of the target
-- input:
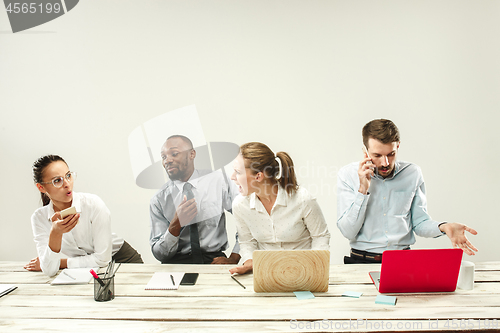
(189, 279)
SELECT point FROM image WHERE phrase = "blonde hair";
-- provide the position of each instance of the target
(259, 157)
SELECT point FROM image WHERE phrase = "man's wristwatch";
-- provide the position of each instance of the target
(440, 225)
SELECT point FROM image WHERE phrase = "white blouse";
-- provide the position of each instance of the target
(295, 223)
(89, 244)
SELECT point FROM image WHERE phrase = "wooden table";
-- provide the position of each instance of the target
(217, 303)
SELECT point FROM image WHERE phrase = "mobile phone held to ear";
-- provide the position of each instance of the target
(368, 155)
(189, 279)
(68, 211)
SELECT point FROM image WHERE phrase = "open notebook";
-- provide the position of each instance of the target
(6, 288)
(163, 281)
(74, 276)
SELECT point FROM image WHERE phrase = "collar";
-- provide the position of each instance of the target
(397, 169)
(75, 203)
(281, 200)
(193, 180)
(50, 211)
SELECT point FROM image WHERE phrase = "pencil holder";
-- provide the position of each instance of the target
(104, 290)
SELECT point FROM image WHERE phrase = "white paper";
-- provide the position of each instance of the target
(163, 281)
(6, 288)
(81, 275)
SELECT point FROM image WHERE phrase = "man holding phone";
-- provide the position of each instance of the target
(188, 224)
(381, 201)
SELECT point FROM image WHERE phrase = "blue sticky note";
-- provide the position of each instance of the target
(387, 300)
(352, 294)
(301, 295)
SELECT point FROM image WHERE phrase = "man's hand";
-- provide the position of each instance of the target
(246, 268)
(456, 233)
(184, 214)
(365, 173)
(234, 258)
(33, 265)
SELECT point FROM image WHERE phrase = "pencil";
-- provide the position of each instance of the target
(232, 277)
(172, 277)
(66, 273)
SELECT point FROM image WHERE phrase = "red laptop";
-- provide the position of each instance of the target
(415, 271)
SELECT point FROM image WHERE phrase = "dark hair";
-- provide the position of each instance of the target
(184, 138)
(38, 169)
(383, 130)
(260, 158)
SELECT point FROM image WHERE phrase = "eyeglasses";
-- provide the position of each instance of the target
(59, 181)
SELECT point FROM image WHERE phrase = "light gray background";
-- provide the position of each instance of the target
(300, 76)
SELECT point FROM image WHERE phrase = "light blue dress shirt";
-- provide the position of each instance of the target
(214, 193)
(388, 216)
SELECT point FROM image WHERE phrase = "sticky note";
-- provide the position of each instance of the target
(301, 295)
(387, 300)
(354, 294)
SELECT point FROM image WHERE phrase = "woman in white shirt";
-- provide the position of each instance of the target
(272, 212)
(85, 237)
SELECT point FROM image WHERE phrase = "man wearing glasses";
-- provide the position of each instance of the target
(188, 224)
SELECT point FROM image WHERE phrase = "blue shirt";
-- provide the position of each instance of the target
(388, 216)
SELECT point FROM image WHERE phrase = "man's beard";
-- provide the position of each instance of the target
(385, 174)
(180, 174)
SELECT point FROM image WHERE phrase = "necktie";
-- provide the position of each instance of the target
(193, 229)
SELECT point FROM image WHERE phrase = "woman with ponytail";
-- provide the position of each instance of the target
(85, 237)
(272, 212)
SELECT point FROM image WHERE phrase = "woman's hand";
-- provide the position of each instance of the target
(63, 226)
(33, 265)
(60, 227)
(246, 268)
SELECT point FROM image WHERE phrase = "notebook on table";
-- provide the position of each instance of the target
(165, 281)
(74, 276)
(291, 270)
(413, 271)
(6, 288)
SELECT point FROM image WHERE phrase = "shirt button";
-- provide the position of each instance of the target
(384, 198)
(384, 214)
